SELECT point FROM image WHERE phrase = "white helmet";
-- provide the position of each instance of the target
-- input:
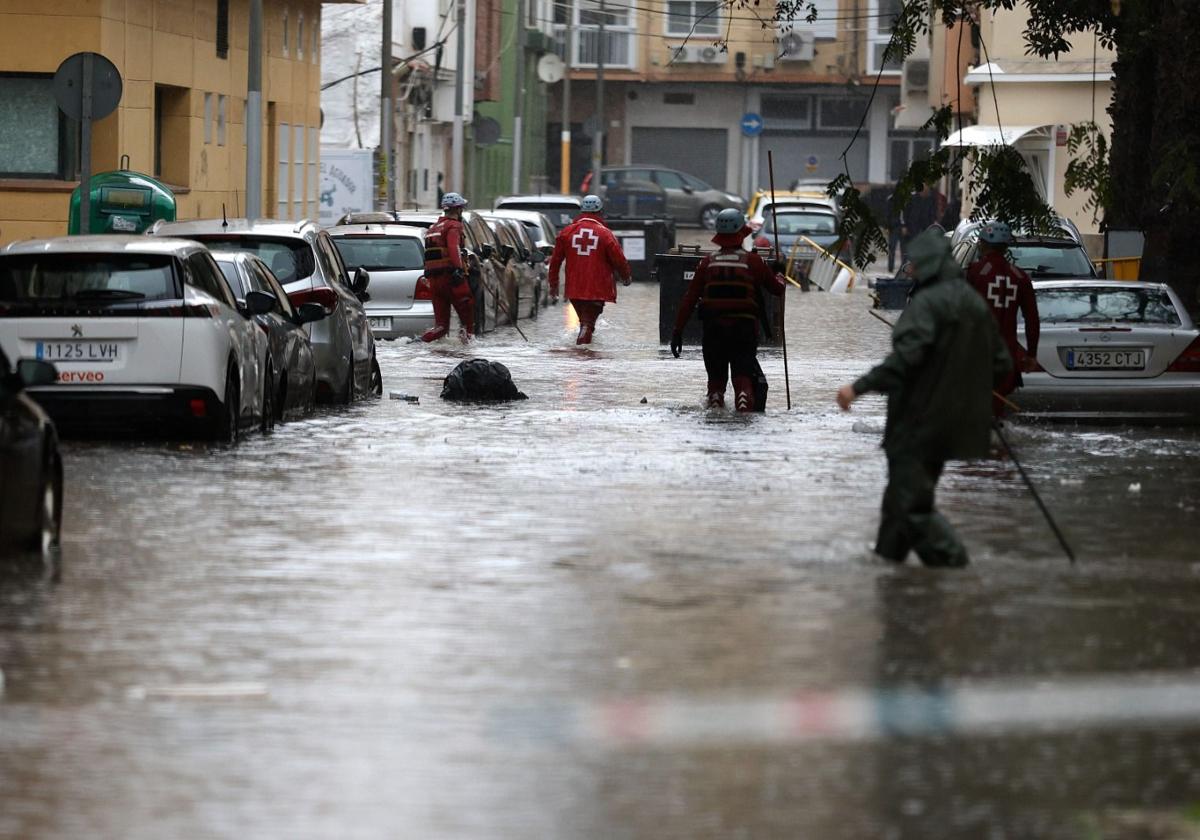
(453, 199)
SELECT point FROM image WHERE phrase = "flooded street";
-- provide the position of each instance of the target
(606, 612)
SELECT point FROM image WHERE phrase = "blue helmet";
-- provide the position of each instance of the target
(730, 220)
(591, 204)
(996, 233)
(453, 199)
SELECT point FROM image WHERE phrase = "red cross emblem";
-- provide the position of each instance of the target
(1001, 292)
(584, 242)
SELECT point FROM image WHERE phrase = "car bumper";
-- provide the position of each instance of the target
(405, 322)
(158, 409)
(1165, 397)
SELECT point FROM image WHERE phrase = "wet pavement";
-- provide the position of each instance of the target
(589, 616)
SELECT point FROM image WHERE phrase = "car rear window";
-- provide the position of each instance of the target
(86, 278)
(1100, 305)
(1051, 260)
(393, 253)
(289, 260)
(794, 224)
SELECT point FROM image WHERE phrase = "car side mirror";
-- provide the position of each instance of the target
(688, 189)
(34, 372)
(537, 258)
(487, 251)
(259, 303)
(360, 281)
(306, 313)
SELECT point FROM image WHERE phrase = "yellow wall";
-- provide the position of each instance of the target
(165, 42)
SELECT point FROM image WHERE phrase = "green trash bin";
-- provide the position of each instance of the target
(123, 202)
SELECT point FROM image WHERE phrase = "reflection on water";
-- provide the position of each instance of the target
(313, 635)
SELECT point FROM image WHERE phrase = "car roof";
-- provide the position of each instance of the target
(797, 209)
(422, 215)
(387, 229)
(1083, 282)
(550, 200)
(263, 227)
(105, 244)
(510, 213)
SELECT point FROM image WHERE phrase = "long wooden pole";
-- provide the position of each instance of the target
(787, 379)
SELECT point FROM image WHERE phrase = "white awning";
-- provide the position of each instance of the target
(1038, 71)
(994, 135)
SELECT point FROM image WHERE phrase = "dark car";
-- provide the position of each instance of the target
(31, 473)
(690, 200)
(291, 367)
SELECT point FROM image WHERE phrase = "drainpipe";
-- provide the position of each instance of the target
(254, 114)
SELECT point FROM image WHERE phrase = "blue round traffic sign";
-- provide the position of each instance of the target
(752, 125)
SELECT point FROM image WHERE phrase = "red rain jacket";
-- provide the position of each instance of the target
(443, 246)
(1007, 290)
(592, 255)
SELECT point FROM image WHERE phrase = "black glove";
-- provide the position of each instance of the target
(677, 345)
(779, 266)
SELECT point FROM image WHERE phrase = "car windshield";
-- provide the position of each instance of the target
(289, 260)
(795, 224)
(1097, 304)
(391, 253)
(1051, 259)
(99, 278)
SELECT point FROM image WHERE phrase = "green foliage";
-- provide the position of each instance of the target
(1089, 168)
(1002, 188)
(859, 225)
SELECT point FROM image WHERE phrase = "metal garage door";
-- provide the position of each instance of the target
(697, 151)
(792, 150)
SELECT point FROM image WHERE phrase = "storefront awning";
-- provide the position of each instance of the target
(994, 135)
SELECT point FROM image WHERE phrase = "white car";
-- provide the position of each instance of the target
(145, 333)
(395, 257)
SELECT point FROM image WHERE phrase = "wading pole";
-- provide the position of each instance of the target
(510, 314)
(1041, 505)
(787, 379)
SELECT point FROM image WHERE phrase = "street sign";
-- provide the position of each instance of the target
(87, 86)
(811, 164)
(752, 124)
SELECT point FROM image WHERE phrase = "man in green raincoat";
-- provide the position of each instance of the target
(947, 356)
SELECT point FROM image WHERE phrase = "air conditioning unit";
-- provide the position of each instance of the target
(686, 54)
(796, 46)
(916, 76)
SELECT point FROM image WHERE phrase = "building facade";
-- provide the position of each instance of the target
(181, 117)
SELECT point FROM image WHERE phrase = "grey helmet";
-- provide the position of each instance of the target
(730, 220)
(591, 204)
(453, 199)
(996, 233)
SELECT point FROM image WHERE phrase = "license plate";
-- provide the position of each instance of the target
(380, 323)
(1080, 358)
(78, 351)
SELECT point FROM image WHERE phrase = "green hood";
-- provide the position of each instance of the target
(931, 260)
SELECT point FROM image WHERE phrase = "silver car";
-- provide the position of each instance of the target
(307, 265)
(561, 210)
(395, 257)
(1112, 349)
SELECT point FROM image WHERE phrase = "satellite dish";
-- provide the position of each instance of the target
(551, 68)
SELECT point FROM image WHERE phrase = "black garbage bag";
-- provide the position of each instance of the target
(479, 380)
(760, 388)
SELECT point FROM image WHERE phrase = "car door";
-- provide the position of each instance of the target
(361, 339)
(681, 202)
(248, 341)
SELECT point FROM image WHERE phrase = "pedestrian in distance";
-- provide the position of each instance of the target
(1007, 290)
(729, 287)
(446, 273)
(593, 259)
(921, 212)
(946, 357)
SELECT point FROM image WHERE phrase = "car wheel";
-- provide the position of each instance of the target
(227, 430)
(708, 217)
(49, 525)
(376, 377)
(268, 402)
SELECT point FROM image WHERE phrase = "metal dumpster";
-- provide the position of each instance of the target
(675, 272)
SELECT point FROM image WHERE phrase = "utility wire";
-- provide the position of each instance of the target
(395, 63)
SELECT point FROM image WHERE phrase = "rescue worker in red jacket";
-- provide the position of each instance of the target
(594, 258)
(1007, 290)
(445, 272)
(728, 285)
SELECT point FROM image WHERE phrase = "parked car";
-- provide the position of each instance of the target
(291, 368)
(1112, 348)
(485, 269)
(145, 332)
(1042, 256)
(524, 269)
(303, 259)
(689, 200)
(539, 227)
(1063, 228)
(795, 225)
(761, 202)
(31, 493)
(561, 210)
(395, 257)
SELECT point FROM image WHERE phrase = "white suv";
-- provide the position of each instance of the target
(144, 333)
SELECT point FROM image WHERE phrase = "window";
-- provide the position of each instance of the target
(903, 151)
(222, 28)
(284, 162)
(840, 113)
(393, 253)
(693, 17)
(300, 36)
(314, 181)
(208, 118)
(172, 134)
(825, 25)
(200, 272)
(668, 180)
(331, 263)
(232, 277)
(222, 115)
(88, 280)
(787, 111)
(36, 139)
(619, 32)
(881, 13)
(271, 285)
(286, 34)
(694, 182)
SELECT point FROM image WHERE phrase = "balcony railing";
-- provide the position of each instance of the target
(619, 46)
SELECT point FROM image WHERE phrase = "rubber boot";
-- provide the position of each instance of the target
(716, 394)
(587, 323)
(743, 389)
